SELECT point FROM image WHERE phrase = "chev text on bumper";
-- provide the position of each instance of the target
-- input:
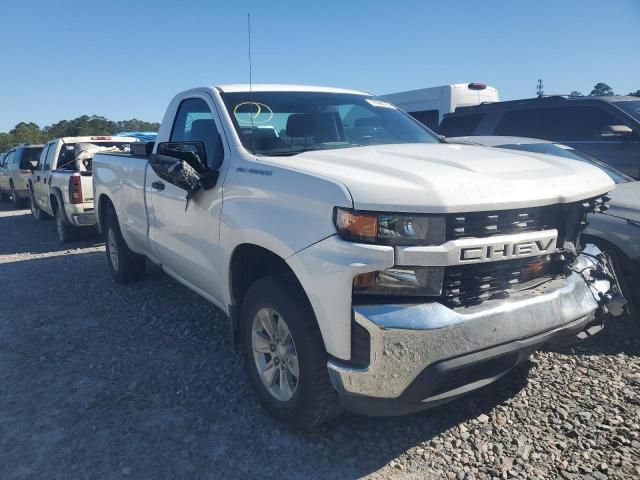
(416, 349)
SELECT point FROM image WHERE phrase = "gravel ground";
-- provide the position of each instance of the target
(105, 381)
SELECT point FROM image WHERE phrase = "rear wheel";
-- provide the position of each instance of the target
(66, 232)
(125, 265)
(18, 203)
(284, 353)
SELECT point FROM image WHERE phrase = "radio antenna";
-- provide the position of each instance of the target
(251, 105)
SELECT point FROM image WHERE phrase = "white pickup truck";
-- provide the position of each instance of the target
(362, 261)
(61, 187)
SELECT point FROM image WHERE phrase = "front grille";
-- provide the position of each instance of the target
(467, 285)
(564, 218)
(499, 222)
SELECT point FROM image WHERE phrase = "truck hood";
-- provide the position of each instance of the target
(445, 178)
(625, 201)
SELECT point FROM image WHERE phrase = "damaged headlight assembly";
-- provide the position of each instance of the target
(383, 228)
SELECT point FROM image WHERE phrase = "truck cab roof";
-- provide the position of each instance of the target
(282, 87)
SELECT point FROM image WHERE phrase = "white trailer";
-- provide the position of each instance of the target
(429, 105)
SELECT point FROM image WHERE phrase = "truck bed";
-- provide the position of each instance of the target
(122, 176)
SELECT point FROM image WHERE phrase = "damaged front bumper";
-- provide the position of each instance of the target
(426, 354)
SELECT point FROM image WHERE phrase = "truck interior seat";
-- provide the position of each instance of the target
(319, 127)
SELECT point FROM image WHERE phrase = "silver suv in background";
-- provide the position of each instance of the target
(15, 170)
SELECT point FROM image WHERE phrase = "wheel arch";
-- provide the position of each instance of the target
(102, 206)
(248, 263)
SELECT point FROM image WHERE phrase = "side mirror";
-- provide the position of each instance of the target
(28, 165)
(184, 164)
(616, 131)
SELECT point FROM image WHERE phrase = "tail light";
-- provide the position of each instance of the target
(75, 189)
(476, 86)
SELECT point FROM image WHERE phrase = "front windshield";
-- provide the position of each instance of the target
(288, 123)
(632, 107)
(567, 152)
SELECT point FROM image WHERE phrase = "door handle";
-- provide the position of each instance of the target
(158, 185)
(37, 178)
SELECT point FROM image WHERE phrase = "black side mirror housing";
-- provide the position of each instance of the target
(27, 165)
(184, 164)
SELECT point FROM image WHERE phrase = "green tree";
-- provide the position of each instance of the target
(136, 125)
(576, 93)
(635, 94)
(29, 132)
(601, 90)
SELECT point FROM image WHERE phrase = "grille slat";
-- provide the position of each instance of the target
(501, 222)
(466, 285)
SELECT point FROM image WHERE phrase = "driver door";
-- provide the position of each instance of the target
(185, 236)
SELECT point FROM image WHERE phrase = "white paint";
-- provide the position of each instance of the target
(289, 210)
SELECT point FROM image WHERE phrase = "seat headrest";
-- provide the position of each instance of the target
(201, 129)
(300, 125)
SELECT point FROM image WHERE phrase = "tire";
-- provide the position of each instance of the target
(626, 282)
(125, 266)
(313, 400)
(18, 203)
(37, 213)
(66, 232)
(620, 260)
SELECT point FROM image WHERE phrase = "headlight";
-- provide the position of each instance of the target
(390, 228)
(408, 281)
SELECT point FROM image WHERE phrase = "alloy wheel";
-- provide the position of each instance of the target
(274, 354)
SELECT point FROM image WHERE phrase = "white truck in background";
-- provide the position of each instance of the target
(61, 186)
(429, 105)
(362, 261)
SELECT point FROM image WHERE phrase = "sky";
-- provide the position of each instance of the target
(126, 59)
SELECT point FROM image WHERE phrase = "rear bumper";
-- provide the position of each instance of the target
(79, 217)
(424, 355)
(84, 220)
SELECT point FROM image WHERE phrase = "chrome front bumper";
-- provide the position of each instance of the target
(405, 340)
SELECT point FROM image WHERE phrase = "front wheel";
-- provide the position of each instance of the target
(284, 353)
(125, 265)
(37, 213)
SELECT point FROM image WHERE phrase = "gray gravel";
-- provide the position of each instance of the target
(104, 381)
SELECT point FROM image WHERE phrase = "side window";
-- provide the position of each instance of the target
(194, 122)
(524, 123)
(8, 160)
(429, 118)
(43, 158)
(49, 158)
(571, 123)
(460, 125)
